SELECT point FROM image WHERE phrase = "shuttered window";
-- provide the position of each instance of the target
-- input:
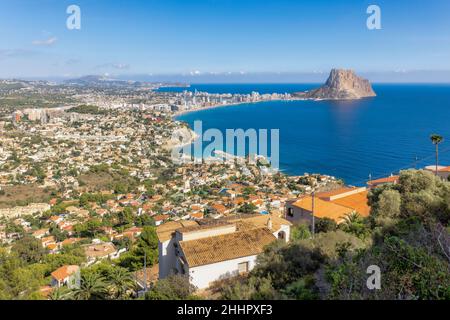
(243, 267)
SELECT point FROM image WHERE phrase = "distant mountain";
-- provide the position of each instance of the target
(121, 83)
(95, 80)
(341, 85)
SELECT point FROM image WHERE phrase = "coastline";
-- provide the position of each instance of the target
(170, 144)
(183, 112)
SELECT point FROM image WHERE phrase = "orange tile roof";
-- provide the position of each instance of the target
(357, 202)
(391, 179)
(323, 209)
(70, 241)
(147, 206)
(134, 230)
(47, 239)
(167, 229)
(220, 208)
(238, 200)
(40, 232)
(52, 246)
(258, 202)
(225, 247)
(67, 227)
(332, 193)
(197, 215)
(161, 217)
(65, 271)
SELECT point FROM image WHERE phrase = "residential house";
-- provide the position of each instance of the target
(211, 250)
(219, 209)
(46, 241)
(70, 241)
(334, 205)
(39, 234)
(160, 218)
(99, 251)
(382, 181)
(55, 219)
(66, 276)
(442, 171)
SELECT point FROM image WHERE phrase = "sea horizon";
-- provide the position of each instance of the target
(345, 139)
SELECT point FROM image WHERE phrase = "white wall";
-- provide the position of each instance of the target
(203, 276)
(166, 257)
(287, 231)
(300, 216)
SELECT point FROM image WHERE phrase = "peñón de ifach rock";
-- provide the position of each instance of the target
(341, 85)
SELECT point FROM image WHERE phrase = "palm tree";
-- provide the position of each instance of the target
(354, 223)
(436, 139)
(62, 293)
(351, 218)
(92, 287)
(121, 282)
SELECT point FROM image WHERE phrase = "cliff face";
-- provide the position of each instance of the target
(341, 85)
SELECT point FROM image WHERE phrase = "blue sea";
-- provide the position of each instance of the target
(347, 139)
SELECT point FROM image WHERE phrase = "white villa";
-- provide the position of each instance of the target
(210, 250)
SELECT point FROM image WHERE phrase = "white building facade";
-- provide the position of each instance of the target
(209, 252)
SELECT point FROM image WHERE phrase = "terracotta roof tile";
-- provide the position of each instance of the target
(230, 246)
(357, 201)
(61, 273)
(166, 230)
(391, 179)
(323, 209)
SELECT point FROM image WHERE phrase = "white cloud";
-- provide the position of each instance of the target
(47, 42)
(121, 66)
(118, 66)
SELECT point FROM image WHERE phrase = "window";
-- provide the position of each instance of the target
(282, 235)
(243, 267)
(290, 212)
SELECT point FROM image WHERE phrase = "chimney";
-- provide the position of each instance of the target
(269, 223)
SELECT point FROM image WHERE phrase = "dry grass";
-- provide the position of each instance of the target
(22, 195)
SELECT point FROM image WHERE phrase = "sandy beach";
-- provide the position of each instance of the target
(179, 113)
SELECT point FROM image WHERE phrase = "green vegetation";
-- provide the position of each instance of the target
(407, 236)
(300, 232)
(88, 109)
(247, 208)
(176, 287)
(25, 269)
(146, 247)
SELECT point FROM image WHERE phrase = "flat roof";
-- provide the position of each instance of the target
(166, 230)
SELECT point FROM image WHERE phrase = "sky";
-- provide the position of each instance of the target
(217, 37)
